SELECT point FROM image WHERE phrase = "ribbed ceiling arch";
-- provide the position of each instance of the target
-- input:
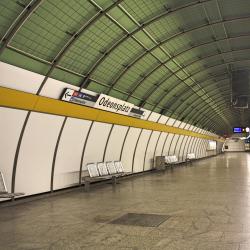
(163, 55)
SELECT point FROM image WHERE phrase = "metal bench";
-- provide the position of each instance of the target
(171, 160)
(190, 157)
(161, 162)
(3, 189)
(110, 170)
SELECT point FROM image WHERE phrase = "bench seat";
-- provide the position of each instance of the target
(110, 170)
(3, 189)
(190, 157)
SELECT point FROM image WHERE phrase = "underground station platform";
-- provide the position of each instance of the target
(124, 124)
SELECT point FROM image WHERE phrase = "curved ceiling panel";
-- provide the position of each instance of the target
(172, 57)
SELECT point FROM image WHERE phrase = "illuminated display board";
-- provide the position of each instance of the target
(240, 129)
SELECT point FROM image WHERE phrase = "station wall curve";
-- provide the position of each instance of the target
(44, 150)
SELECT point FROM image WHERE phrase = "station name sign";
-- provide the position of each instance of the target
(101, 101)
(114, 105)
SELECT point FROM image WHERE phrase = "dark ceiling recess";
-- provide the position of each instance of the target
(240, 88)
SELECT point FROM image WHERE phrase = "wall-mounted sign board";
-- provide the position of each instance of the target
(78, 97)
(240, 130)
(102, 101)
(112, 104)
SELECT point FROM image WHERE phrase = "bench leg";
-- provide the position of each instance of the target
(86, 186)
(113, 179)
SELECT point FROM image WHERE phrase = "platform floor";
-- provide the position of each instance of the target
(208, 204)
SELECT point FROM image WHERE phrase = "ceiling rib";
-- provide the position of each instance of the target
(179, 109)
(174, 88)
(113, 47)
(147, 94)
(124, 38)
(19, 21)
(185, 32)
(74, 38)
(202, 70)
(168, 60)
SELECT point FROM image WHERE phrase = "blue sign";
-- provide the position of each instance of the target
(238, 130)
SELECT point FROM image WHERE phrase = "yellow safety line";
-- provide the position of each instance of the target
(21, 100)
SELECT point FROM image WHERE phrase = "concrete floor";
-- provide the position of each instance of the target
(208, 204)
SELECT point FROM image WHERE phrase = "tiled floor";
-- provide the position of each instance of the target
(209, 205)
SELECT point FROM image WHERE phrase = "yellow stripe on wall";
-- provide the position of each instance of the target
(21, 100)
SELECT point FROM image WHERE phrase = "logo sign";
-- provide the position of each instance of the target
(112, 104)
(78, 97)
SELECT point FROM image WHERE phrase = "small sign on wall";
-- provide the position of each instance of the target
(79, 97)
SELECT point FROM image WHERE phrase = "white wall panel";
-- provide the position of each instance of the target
(140, 150)
(191, 128)
(203, 148)
(187, 146)
(115, 143)
(16, 78)
(163, 119)
(160, 144)
(170, 121)
(150, 150)
(183, 125)
(154, 116)
(196, 146)
(146, 140)
(177, 123)
(188, 127)
(128, 149)
(172, 144)
(96, 143)
(193, 145)
(36, 153)
(199, 130)
(181, 150)
(204, 151)
(69, 152)
(10, 128)
(167, 144)
(178, 145)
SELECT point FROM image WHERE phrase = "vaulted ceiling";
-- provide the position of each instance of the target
(172, 57)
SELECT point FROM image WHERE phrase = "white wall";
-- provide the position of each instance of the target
(36, 153)
(69, 153)
(129, 147)
(115, 143)
(96, 143)
(10, 129)
(16, 78)
(234, 145)
(80, 139)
